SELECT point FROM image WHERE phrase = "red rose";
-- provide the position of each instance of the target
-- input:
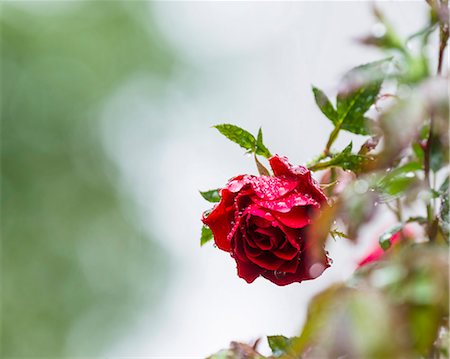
(262, 222)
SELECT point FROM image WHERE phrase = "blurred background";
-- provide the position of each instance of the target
(106, 113)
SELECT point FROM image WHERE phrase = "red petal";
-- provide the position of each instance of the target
(286, 252)
(297, 217)
(306, 270)
(247, 270)
(270, 188)
(236, 183)
(220, 219)
(282, 167)
(285, 204)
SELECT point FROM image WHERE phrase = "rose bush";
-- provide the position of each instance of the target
(262, 221)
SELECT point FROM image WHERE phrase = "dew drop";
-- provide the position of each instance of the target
(361, 186)
(316, 270)
(279, 274)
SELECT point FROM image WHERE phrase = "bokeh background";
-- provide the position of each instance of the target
(106, 110)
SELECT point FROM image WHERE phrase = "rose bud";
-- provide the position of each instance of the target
(378, 253)
(262, 222)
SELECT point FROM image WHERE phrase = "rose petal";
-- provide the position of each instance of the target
(290, 267)
(293, 235)
(266, 260)
(247, 270)
(282, 167)
(220, 220)
(236, 183)
(306, 270)
(297, 217)
(255, 210)
(270, 188)
(285, 204)
(287, 252)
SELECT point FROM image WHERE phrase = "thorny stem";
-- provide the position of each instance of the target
(443, 38)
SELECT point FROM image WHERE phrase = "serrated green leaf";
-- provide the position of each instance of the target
(261, 149)
(385, 238)
(238, 135)
(360, 87)
(211, 195)
(280, 345)
(338, 234)
(325, 105)
(345, 160)
(206, 235)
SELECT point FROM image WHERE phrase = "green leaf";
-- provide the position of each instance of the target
(444, 208)
(360, 87)
(385, 238)
(260, 148)
(437, 154)
(280, 345)
(206, 235)
(238, 135)
(211, 195)
(399, 180)
(345, 160)
(338, 234)
(325, 105)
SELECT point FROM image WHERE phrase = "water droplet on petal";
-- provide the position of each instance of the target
(316, 270)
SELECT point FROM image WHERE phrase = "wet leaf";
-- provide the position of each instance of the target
(238, 135)
(345, 160)
(211, 195)
(385, 238)
(399, 180)
(359, 91)
(206, 235)
(261, 149)
(325, 105)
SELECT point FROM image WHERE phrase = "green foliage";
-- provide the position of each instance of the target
(238, 135)
(444, 208)
(244, 139)
(261, 149)
(325, 105)
(390, 310)
(345, 160)
(280, 345)
(398, 180)
(212, 195)
(206, 235)
(360, 88)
